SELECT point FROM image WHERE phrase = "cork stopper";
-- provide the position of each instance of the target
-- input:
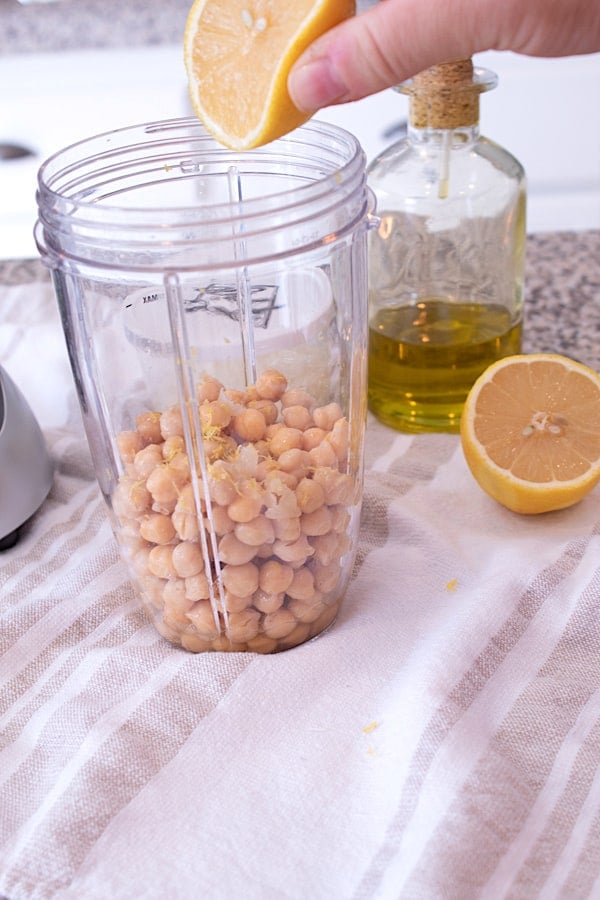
(445, 96)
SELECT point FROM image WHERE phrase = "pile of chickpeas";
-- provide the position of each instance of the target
(246, 552)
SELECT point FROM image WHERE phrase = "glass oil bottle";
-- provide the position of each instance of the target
(446, 262)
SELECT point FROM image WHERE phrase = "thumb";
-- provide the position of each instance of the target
(382, 47)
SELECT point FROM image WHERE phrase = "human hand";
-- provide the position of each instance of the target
(398, 38)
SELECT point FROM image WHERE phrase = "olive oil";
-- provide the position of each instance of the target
(424, 358)
(446, 258)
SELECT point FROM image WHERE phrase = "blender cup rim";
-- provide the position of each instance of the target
(345, 168)
(228, 211)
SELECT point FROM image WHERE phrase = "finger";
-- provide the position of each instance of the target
(380, 48)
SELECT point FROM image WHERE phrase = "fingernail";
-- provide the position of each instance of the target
(315, 84)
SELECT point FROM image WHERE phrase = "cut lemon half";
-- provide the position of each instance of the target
(530, 431)
(238, 54)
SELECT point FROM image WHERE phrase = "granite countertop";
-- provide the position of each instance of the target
(42, 26)
(562, 293)
(90, 24)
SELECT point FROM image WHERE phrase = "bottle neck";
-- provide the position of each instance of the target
(459, 138)
(445, 98)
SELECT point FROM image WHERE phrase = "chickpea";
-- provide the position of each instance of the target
(188, 559)
(262, 644)
(233, 603)
(285, 439)
(179, 467)
(214, 414)
(238, 398)
(327, 547)
(208, 389)
(267, 408)
(297, 635)
(307, 610)
(297, 397)
(172, 446)
(220, 521)
(140, 561)
(296, 552)
(160, 562)
(128, 444)
(309, 495)
(194, 643)
(302, 586)
(218, 446)
(340, 519)
(130, 499)
(184, 516)
(255, 532)
(341, 489)
(265, 551)
(275, 577)
(323, 455)
(317, 522)
(243, 626)
(221, 485)
(171, 422)
(147, 459)
(245, 507)
(267, 603)
(233, 552)
(325, 619)
(270, 385)
(297, 417)
(263, 467)
(197, 587)
(176, 604)
(312, 437)
(287, 530)
(271, 430)
(173, 592)
(338, 439)
(148, 426)
(295, 462)
(224, 644)
(186, 501)
(250, 425)
(326, 416)
(241, 580)
(164, 484)
(277, 480)
(336, 484)
(186, 526)
(326, 577)
(203, 619)
(157, 529)
(279, 623)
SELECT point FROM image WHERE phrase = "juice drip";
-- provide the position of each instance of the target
(424, 358)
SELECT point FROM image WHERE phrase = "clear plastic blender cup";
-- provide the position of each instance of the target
(214, 305)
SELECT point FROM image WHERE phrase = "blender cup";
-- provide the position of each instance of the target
(214, 305)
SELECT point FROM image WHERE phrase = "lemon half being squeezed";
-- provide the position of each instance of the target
(238, 54)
